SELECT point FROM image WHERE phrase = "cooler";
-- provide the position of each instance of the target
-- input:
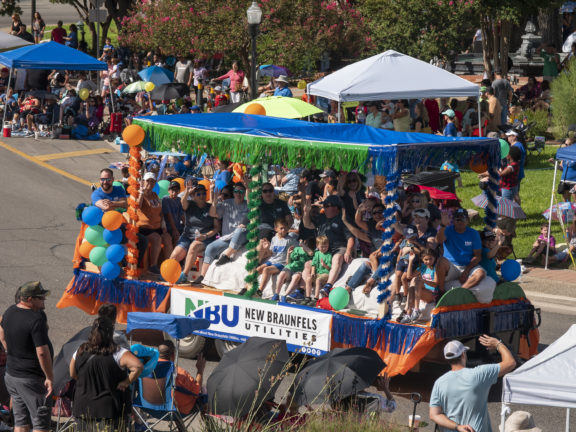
(7, 130)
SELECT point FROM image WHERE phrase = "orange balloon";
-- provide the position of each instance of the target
(206, 184)
(254, 108)
(180, 182)
(478, 164)
(133, 135)
(112, 220)
(85, 249)
(170, 270)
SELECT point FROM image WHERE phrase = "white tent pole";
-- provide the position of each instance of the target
(479, 124)
(567, 419)
(504, 411)
(550, 214)
(6, 102)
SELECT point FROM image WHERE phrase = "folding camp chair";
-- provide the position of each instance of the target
(154, 399)
(154, 394)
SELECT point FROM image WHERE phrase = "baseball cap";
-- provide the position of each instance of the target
(195, 108)
(33, 289)
(450, 113)
(174, 185)
(410, 232)
(149, 175)
(333, 200)
(199, 187)
(487, 234)
(328, 173)
(218, 88)
(454, 349)
(512, 132)
(461, 214)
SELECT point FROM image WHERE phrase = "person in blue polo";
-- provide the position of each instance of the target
(282, 87)
(107, 196)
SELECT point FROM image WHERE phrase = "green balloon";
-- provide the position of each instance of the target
(163, 185)
(94, 235)
(504, 148)
(98, 256)
(117, 183)
(339, 298)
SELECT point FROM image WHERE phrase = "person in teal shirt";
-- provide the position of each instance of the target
(292, 272)
(459, 399)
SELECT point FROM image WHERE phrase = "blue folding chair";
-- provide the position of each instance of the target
(154, 394)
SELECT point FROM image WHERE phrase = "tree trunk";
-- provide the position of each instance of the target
(487, 46)
(506, 27)
(550, 26)
(497, 29)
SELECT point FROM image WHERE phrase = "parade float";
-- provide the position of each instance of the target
(259, 141)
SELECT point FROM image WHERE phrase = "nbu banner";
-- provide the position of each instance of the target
(236, 319)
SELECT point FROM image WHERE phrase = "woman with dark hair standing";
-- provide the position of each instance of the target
(102, 395)
(38, 26)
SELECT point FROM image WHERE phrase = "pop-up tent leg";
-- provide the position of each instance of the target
(567, 419)
(550, 215)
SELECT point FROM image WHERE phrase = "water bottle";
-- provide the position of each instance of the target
(196, 233)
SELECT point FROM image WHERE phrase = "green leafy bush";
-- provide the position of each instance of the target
(564, 100)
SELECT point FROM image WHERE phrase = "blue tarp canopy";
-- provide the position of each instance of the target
(50, 55)
(567, 153)
(176, 326)
(261, 139)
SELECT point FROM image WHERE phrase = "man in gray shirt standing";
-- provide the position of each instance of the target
(503, 92)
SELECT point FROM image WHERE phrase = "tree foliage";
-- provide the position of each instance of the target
(294, 33)
(564, 100)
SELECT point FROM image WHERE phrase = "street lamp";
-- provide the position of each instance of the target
(254, 14)
(80, 25)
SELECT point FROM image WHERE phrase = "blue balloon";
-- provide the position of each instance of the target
(92, 215)
(220, 184)
(115, 253)
(110, 270)
(113, 237)
(510, 270)
(156, 189)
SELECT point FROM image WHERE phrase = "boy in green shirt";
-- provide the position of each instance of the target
(292, 272)
(319, 271)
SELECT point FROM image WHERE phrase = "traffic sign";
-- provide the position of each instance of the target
(98, 15)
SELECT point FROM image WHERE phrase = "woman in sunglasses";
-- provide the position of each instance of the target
(200, 229)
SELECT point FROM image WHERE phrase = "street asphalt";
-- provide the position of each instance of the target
(42, 182)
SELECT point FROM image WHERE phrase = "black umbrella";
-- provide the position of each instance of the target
(226, 108)
(62, 361)
(246, 376)
(170, 91)
(338, 374)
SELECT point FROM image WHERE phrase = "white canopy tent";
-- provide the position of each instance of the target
(549, 379)
(391, 75)
(9, 42)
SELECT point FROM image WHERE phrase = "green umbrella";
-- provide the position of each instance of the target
(284, 107)
(135, 87)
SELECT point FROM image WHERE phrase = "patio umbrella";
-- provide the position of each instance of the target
(226, 108)
(565, 209)
(156, 74)
(338, 374)
(10, 42)
(135, 87)
(436, 193)
(273, 70)
(244, 378)
(62, 360)
(283, 107)
(505, 207)
(170, 91)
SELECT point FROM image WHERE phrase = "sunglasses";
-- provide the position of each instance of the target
(39, 297)
(200, 193)
(377, 212)
(328, 205)
(415, 201)
(267, 190)
(103, 180)
(239, 191)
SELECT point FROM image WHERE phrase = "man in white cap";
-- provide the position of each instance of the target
(282, 87)
(459, 399)
(512, 137)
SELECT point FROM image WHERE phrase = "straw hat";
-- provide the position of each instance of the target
(520, 421)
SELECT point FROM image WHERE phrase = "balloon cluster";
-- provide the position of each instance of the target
(133, 135)
(103, 240)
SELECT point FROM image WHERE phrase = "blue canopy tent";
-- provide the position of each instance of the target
(568, 156)
(176, 326)
(50, 55)
(258, 140)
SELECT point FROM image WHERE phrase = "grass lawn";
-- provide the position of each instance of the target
(112, 33)
(535, 195)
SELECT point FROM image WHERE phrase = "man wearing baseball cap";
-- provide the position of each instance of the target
(459, 399)
(29, 375)
(512, 138)
(463, 249)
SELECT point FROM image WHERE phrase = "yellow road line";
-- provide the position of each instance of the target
(74, 154)
(45, 165)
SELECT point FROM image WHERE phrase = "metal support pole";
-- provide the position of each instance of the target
(253, 84)
(98, 51)
(6, 103)
(32, 11)
(550, 213)
(479, 119)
